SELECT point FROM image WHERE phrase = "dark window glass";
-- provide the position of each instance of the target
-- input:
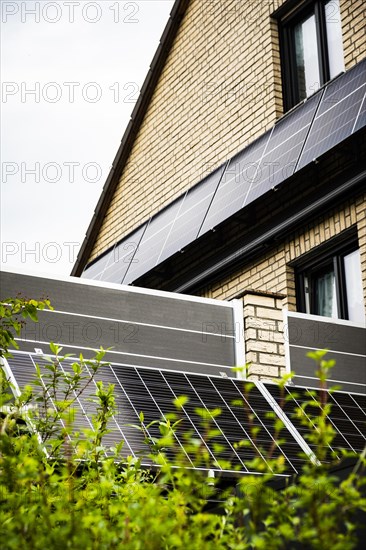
(311, 49)
(324, 293)
(330, 285)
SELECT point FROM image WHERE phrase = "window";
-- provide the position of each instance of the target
(311, 48)
(331, 284)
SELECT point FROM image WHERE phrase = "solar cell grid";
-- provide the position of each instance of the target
(191, 216)
(283, 148)
(346, 415)
(96, 270)
(235, 184)
(337, 115)
(242, 409)
(123, 255)
(152, 242)
(361, 116)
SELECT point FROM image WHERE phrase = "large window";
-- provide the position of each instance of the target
(311, 48)
(330, 284)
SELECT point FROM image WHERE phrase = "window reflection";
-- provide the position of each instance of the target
(334, 38)
(307, 58)
(352, 269)
(325, 294)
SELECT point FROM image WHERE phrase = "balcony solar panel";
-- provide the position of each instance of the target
(338, 114)
(283, 148)
(191, 216)
(152, 391)
(347, 415)
(152, 242)
(247, 414)
(235, 184)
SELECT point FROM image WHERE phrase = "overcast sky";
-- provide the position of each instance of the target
(71, 74)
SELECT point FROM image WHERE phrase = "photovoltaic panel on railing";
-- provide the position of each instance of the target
(283, 149)
(347, 415)
(96, 269)
(235, 184)
(123, 256)
(153, 240)
(361, 117)
(191, 215)
(243, 414)
(337, 115)
(113, 265)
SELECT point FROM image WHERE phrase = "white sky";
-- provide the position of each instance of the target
(57, 144)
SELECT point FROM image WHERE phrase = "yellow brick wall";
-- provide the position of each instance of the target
(353, 17)
(219, 90)
(272, 273)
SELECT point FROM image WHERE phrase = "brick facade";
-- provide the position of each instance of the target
(219, 90)
(272, 273)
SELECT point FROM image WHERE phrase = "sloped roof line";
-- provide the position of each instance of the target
(157, 65)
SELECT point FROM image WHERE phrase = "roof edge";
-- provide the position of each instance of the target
(167, 39)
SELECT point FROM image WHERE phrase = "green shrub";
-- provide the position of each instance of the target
(62, 488)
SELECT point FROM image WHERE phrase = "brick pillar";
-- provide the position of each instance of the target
(263, 334)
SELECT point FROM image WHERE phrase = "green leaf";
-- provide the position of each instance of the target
(180, 401)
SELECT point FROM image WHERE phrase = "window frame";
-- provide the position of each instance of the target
(287, 23)
(314, 262)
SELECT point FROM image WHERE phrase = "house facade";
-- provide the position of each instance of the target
(242, 175)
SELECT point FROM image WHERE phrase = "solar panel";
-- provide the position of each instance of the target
(347, 415)
(248, 412)
(235, 184)
(191, 215)
(152, 391)
(283, 148)
(262, 165)
(123, 256)
(112, 266)
(96, 269)
(304, 134)
(136, 326)
(361, 117)
(152, 242)
(337, 115)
